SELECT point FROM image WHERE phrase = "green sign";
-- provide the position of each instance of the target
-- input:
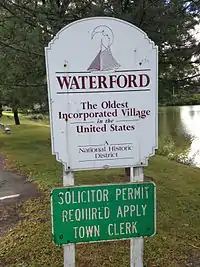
(102, 213)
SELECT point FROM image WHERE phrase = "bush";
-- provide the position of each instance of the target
(36, 117)
(167, 148)
(183, 100)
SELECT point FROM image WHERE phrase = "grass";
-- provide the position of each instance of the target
(28, 244)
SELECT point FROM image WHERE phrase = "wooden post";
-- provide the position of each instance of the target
(69, 250)
(136, 244)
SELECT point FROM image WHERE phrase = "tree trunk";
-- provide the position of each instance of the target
(1, 110)
(127, 172)
(16, 116)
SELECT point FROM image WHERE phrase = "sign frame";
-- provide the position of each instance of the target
(100, 186)
(64, 152)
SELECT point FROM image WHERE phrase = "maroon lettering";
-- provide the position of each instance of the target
(92, 82)
(102, 80)
(122, 81)
(83, 81)
(144, 77)
(132, 80)
(74, 83)
(117, 80)
(65, 80)
(112, 80)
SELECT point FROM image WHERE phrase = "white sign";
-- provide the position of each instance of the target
(102, 84)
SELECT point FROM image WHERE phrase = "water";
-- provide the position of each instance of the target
(182, 124)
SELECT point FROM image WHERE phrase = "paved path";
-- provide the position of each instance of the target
(13, 189)
(13, 185)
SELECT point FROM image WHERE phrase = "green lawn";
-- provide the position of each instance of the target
(176, 244)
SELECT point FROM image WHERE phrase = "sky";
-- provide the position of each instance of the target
(198, 32)
(198, 35)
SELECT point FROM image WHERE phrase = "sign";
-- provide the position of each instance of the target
(102, 87)
(103, 213)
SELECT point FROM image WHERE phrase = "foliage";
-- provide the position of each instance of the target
(38, 117)
(20, 70)
(27, 26)
(168, 148)
(183, 100)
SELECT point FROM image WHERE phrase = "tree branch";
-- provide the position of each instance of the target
(19, 49)
(24, 85)
(189, 78)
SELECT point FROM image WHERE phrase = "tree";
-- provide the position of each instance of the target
(22, 72)
(27, 26)
(1, 110)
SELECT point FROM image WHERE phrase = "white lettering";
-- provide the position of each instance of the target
(67, 198)
(81, 232)
(75, 231)
(137, 192)
(106, 213)
(100, 213)
(77, 215)
(122, 228)
(126, 210)
(61, 198)
(147, 192)
(118, 193)
(92, 231)
(131, 210)
(109, 229)
(86, 196)
(86, 231)
(83, 194)
(124, 194)
(144, 210)
(134, 229)
(130, 193)
(137, 211)
(64, 216)
(105, 195)
(128, 228)
(94, 213)
(119, 212)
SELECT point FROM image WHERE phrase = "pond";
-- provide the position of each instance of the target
(182, 125)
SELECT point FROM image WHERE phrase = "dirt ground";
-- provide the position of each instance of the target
(20, 188)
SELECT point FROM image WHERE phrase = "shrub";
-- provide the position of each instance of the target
(167, 148)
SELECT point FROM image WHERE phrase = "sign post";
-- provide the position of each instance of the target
(69, 249)
(137, 244)
(102, 76)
